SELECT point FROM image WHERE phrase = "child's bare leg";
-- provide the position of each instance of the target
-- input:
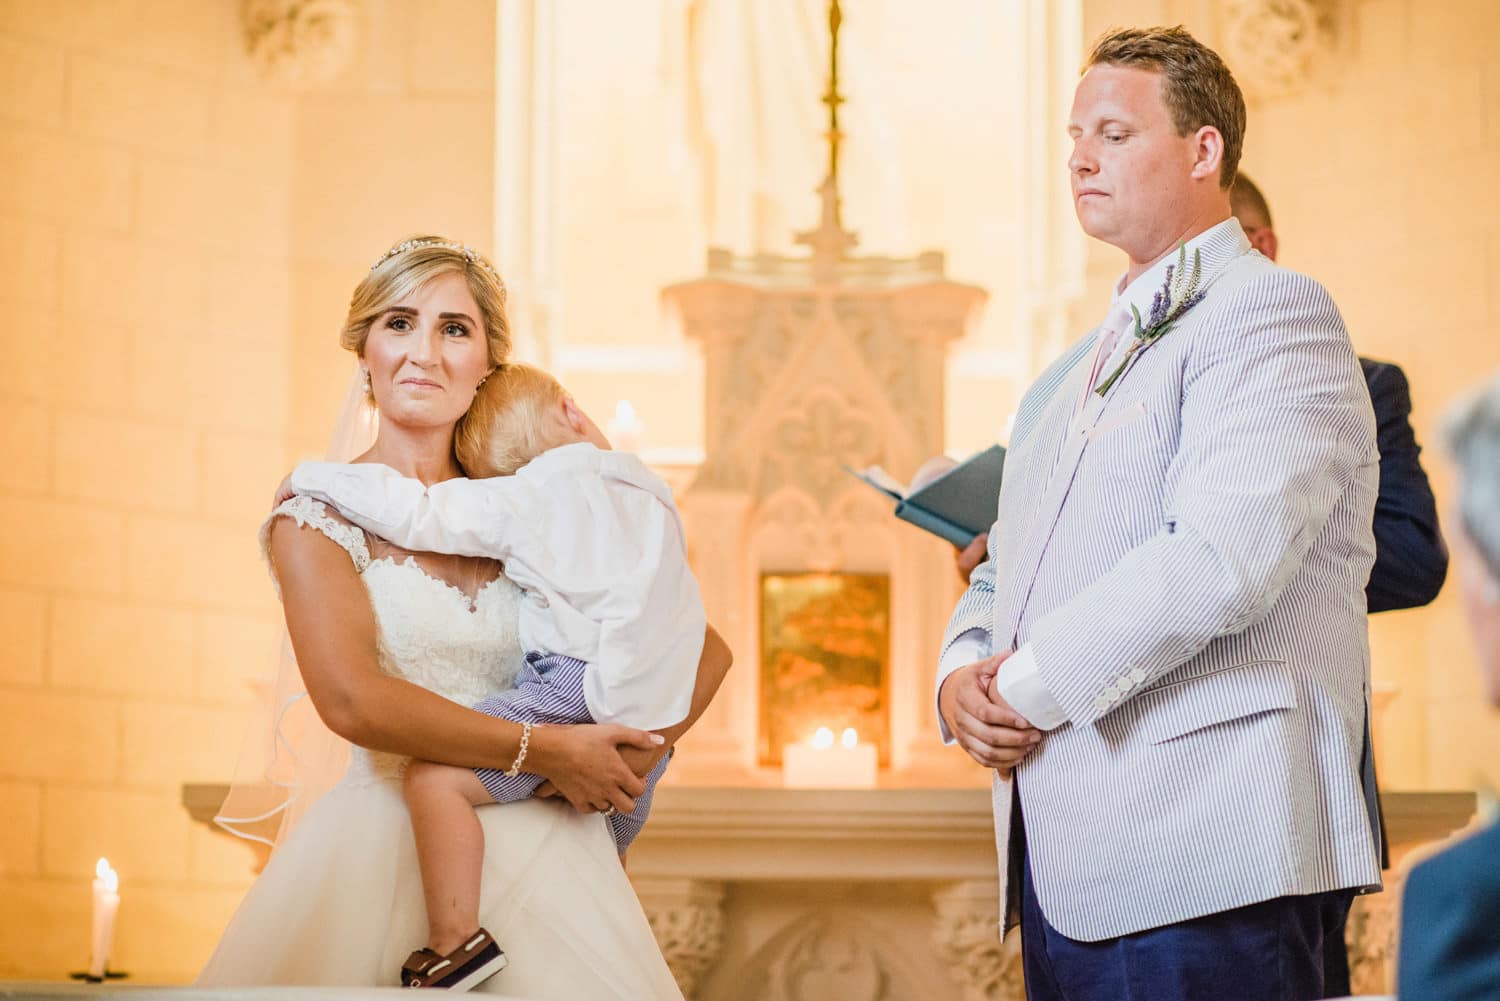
(450, 848)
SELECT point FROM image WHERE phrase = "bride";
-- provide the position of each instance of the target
(393, 648)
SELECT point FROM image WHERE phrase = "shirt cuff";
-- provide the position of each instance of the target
(967, 647)
(1020, 683)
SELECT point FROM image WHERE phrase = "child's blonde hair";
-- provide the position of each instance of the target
(515, 417)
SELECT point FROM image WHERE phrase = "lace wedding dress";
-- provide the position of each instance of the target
(340, 902)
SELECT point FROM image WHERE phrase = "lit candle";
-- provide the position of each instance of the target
(822, 763)
(626, 430)
(106, 903)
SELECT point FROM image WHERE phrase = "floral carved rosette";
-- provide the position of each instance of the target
(300, 42)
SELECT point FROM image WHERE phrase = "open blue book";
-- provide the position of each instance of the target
(953, 500)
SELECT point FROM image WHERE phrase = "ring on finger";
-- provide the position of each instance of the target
(610, 811)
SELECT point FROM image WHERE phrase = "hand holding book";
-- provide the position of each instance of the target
(954, 501)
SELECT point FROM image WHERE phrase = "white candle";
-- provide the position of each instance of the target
(625, 429)
(106, 903)
(820, 763)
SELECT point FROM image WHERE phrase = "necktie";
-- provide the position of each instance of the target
(1114, 326)
(1109, 338)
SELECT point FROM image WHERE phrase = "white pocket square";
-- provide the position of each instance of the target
(1117, 420)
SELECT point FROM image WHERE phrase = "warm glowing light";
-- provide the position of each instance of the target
(849, 738)
(109, 876)
(626, 432)
(625, 415)
(823, 739)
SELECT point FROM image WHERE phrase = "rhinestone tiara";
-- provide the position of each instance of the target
(470, 254)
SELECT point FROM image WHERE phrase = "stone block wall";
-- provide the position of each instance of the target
(178, 240)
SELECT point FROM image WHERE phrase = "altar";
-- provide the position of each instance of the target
(876, 894)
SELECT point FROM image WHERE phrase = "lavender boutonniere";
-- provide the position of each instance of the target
(1179, 293)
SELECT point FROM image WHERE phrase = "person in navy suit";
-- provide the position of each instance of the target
(1450, 913)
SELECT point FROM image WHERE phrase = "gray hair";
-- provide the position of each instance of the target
(1472, 434)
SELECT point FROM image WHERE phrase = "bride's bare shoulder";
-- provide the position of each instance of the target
(303, 530)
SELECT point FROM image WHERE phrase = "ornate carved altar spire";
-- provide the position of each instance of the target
(832, 97)
(829, 240)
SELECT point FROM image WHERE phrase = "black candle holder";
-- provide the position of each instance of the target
(89, 978)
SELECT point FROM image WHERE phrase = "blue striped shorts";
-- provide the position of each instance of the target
(549, 689)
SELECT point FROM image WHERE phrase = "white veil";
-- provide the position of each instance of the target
(290, 758)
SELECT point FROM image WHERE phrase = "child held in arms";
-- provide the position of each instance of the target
(612, 617)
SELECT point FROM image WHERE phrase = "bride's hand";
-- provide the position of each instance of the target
(586, 766)
(640, 761)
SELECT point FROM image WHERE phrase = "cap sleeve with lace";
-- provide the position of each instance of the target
(307, 512)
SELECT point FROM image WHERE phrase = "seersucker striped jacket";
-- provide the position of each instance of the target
(1189, 564)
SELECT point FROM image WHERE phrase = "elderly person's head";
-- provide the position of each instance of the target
(1473, 436)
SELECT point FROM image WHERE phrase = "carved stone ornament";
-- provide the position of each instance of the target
(967, 936)
(687, 918)
(300, 42)
(1275, 45)
(1371, 938)
(826, 954)
(812, 439)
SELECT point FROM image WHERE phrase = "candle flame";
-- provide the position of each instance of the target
(110, 878)
(849, 738)
(823, 739)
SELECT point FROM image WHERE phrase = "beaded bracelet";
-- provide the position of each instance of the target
(515, 769)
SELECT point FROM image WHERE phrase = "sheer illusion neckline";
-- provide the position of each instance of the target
(469, 601)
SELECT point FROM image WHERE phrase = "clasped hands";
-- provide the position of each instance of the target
(983, 723)
(583, 789)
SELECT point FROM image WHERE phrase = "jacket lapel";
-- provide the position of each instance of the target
(1037, 479)
(1070, 440)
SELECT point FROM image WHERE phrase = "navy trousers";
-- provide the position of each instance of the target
(1271, 951)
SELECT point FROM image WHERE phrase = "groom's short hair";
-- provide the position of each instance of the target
(1197, 87)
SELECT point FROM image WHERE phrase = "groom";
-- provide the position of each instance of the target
(1165, 657)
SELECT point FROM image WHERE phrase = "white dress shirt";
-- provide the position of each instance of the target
(1018, 680)
(593, 538)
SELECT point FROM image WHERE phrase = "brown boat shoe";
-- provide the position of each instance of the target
(463, 969)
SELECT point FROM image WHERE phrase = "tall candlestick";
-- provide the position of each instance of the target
(106, 903)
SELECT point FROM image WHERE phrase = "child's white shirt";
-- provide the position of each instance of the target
(593, 538)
